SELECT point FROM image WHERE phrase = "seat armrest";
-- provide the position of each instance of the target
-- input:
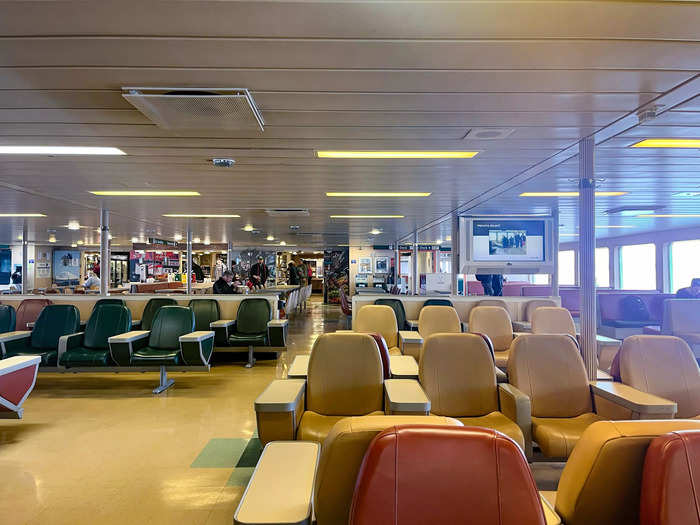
(222, 328)
(197, 347)
(516, 334)
(404, 397)
(515, 405)
(522, 326)
(602, 375)
(17, 337)
(277, 332)
(403, 367)
(31, 325)
(412, 324)
(641, 404)
(299, 368)
(66, 342)
(135, 323)
(281, 488)
(465, 327)
(501, 376)
(410, 343)
(122, 346)
(550, 515)
(279, 409)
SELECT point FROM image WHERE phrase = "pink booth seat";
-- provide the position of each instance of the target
(475, 288)
(17, 379)
(570, 296)
(614, 322)
(514, 289)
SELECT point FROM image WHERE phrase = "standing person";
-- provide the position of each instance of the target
(17, 276)
(292, 275)
(486, 281)
(223, 283)
(259, 273)
(497, 284)
(309, 272)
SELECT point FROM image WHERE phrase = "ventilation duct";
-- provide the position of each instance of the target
(288, 212)
(197, 108)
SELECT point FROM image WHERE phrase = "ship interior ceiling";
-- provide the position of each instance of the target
(353, 147)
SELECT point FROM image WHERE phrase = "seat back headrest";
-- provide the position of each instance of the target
(253, 316)
(438, 320)
(8, 318)
(28, 311)
(553, 320)
(494, 321)
(445, 475)
(106, 321)
(681, 315)
(151, 309)
(54, 321)
(493, 302)
(380, 319)
(437, 302)
(535, 304)
(169, 324)
(206, 311)
(399, 310)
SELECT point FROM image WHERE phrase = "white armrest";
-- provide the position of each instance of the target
(135, 322)
(299, 367)
(403, 367)
(602, 375)
(413, 323)
(196, 337)
(129, 337)
(277, 322)
(13, 336)
(633, 399)
(222, 323)
(408, 336)
(31, 325)
(18, 362)
(281, 488)
(405, 395)
(281, 395)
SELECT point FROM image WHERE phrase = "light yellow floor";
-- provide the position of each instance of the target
(101, 448)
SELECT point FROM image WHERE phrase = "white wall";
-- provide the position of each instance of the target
(366, 251)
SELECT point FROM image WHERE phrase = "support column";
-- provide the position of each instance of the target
(25, 259)
(555, 253)
(188, 259)
(414, 263)
(455, 254)
(229, 255)
(397, 264)
(586, 239)
(104, 252)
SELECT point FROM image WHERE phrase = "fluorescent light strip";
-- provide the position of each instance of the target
(512, 215)
(570, 193)
(568, 235)
(22, 215)
(145, 193)
(367, 216)
(604, 227)
(669, 215)
(59, 150)
(396, 154)
(378, 194)
(667, 143)
(200, 216)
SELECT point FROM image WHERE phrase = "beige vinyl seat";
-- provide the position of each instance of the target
(379, 319)
(457, 373)
(438, 320)
(493, 302)
(664, 366)
(602, 479)
(530, 307)
(553, 320)
(682, 319)
(494, 322)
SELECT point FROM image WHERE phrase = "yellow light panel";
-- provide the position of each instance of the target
(200, 216)
(570, 193)
(378, 194)
(396, 154)
(367, 216)
(669, 215)
(22, 215)
(667, 143)
(146, 193)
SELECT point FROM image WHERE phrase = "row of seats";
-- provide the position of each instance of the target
(296, 299)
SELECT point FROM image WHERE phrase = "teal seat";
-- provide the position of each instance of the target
(91, 347)
(438, 302)
(163, 347)
(55, 321)
(151, 309)
(397, 306)
(109, 300)
(251, 326)
(206, 311)
(8, 318)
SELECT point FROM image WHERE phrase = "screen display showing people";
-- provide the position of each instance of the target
(511, 240)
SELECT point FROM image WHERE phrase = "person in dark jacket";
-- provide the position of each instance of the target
(259, 273)
(223, 284)
(292, 274)
(692, 292)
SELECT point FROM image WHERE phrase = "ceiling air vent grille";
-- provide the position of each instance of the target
(288, 212)
(488, 133)
(197, 108)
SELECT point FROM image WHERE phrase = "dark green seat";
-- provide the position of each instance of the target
(8, 318)
(91, 348)
(164, 341)
(151, 309)
(438, 302)
(251, 323)
(55, 321)
(206, 311)
(397, 306)
(109, 300)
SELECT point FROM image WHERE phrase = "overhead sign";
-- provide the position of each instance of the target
(162, 242)
(382, 247)
(405, 247)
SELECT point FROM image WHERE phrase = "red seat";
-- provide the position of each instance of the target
(670, 492)
(384, 354)
(418, 474)
(28, 311)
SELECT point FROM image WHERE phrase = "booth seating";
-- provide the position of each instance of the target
(8, 318)
(514, 288)
(670, 493)
(171, 341)
(550, 371)
(382, 320)
(530, 307)
(494, 321)
(475, 288)
(91, 347)
(664, 366)
(55, 321)
(254, 327)
(151, 309)
(682, 319)
(206, 311)
(345, 378)
(602, 480)
(458, 375)
(17, 379)
(621, 314)
(399, 312)
(28, 312)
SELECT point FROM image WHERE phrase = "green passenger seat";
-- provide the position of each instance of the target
(397, 306)
(251, 323)
(206, 311)
(163, 347)
(151, 309)
(55, 321)
(8, 318)
(109, 300)
(91, 348)
(438, 302)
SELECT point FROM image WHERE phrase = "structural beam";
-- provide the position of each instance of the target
(555, 253)
(188, 260)
(455, 254)
(25, 258)
(414, 264)
(229, 255)
(586, 239)
(104, 252)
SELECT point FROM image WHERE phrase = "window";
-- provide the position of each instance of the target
(638, 267)
(567, 267)
(684, 257)
(539, 278)
(602, 267)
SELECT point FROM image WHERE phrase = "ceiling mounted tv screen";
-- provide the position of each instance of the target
(510, 240)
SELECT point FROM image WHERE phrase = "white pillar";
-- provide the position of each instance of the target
(25, 259)
(555, 253)
(414, 264)
(455, 254)
(586, 239)
(104, 252)
(229, 255)
(188, 260)
(397, 264)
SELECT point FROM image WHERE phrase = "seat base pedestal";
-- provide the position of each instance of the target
(251, 358)
(165, 383)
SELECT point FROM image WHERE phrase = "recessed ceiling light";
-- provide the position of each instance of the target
(80, 242)
(73, 245)
(282, 243)
(448, 238)
(377, 194)
(670, 215)
(396, 154)
(73, 225)
(667, 143)
(570, 193)
(22, 215)
(59, 150)
(144, 193)
(197, 240)
(439, 241)
(134, 239)
(375, 231)
(19, 237)
(367, 216)
(200, 216)
(207, 242)
(248, 228)
(52, 238)
(687, 194)
(270, 238)
(177, 237)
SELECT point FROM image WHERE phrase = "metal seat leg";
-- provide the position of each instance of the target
(251, 358)
(165, 383)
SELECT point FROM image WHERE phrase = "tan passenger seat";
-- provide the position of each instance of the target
(457, 373)
(379, 319)
(438, 320)
(495, 322)
(553, 320)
